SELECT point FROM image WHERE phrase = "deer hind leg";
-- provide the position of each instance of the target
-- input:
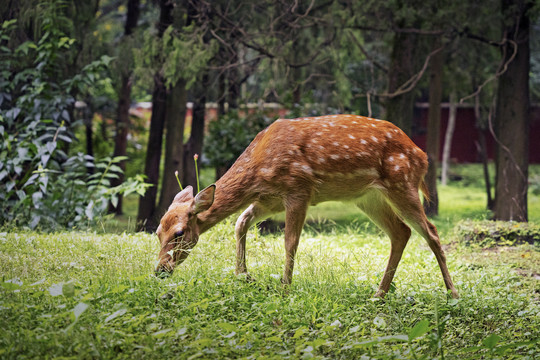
(295, 215)
(254, 212)
(408, 205)
(375, 206)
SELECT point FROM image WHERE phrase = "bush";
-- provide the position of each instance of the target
(487, 233)
(39, 183)
(229, 136)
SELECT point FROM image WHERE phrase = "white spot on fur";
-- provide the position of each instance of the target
(391, 158)
(396, 168)
(321, 160)
(334, 156)
(351, 137)
(364, 142)
(307, 169)
(389, 135)
(346, 146)
(335, 143)
(265, 171)
(318, 133)
(374, 139)
(402, 156)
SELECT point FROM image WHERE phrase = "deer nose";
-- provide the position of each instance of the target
(178, 234)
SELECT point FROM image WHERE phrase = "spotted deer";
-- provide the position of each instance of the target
(295, 163)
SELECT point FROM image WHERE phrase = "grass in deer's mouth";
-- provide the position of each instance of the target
(86, 295)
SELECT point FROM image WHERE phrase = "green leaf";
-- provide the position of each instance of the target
(491, 341)
(115, 314)
(68, 289)
(419, 329)
(162, 333)
(299, 333)
(227, 327)
(79, 309)
(10, 285)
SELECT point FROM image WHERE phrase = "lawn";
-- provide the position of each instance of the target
(92, 294)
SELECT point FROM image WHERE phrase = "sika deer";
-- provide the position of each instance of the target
(300, 162)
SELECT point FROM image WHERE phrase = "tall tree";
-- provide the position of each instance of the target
(434, 126)
(146, 217)
(399, 108)
(124, 98)
(194, 145)
(512, 114)
(178, 56)
(175, 115)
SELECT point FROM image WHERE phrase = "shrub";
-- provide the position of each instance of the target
(487, 233)
(39, 183)
(229, 136)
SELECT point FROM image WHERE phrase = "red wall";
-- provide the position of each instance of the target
(466, 134)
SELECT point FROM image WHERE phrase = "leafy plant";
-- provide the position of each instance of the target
(229, 136)
(487, 233)
(39, 183)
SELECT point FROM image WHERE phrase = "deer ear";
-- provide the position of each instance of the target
(184, 195)
(204, 199)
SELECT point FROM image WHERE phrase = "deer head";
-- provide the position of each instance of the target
(178, 231)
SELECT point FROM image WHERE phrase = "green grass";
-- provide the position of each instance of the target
(91, 295)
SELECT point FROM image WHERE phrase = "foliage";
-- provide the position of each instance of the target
(176, 55)
(40, 184)
(86, 295)
(229, 136)
(497, 233)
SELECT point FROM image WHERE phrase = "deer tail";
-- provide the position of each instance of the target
(424, 190)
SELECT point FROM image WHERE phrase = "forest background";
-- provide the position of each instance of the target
(71, 71)
(76, 151)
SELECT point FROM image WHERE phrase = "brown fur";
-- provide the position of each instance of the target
(300, 162)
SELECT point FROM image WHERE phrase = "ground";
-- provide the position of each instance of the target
(91, 294)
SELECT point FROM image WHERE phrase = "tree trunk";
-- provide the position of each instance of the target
(399, 109)
(124, 102)
(146, 218)
(447, 148)
(88, 123)
(482, 150)
(175, 116)
(234, 86)
(512, 117)
(120, 139)
(195, 142)
(433, 133)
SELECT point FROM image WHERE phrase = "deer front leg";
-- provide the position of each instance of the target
(294, 221)
(249, 216)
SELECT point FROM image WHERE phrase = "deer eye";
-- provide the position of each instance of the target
(179, 234)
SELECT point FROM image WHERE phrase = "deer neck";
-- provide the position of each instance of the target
(233, 193)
